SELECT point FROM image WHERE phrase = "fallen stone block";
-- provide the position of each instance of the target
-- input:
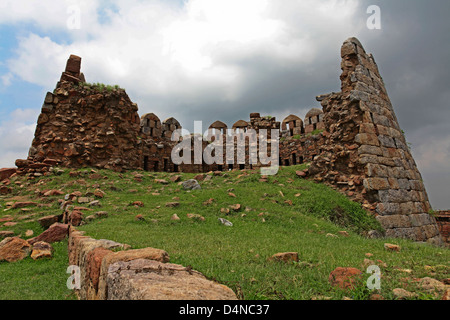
(41, 250)
(55, 233)
(14, 249)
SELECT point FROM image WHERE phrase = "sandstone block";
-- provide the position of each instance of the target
(376, 184)
(47, 221)
(125, 256)
(406, 233)
(285, 257)
(394, 221)
(41, 250)
(345, 278)
(367, 139)
(73, 65)
(152, 280)
(55, 233)
(5, 173)
(371, 150)
(14, 249)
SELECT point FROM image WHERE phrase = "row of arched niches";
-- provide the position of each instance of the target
(292, 125)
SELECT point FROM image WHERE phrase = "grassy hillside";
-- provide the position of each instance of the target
(283, 214)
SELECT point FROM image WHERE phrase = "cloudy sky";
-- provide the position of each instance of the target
(223, 59)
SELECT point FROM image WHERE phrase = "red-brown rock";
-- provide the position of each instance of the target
(41, 250)
(345, 278)
(55, 233)
(94, 264)
(5, 173)
(300, 174)
(50, 193)
(47, 221)
(75, 218)
(19, 205)
(14, 249)
(285, 257)
(5, 190)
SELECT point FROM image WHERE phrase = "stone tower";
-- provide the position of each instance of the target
(366, 147)
(83, 125)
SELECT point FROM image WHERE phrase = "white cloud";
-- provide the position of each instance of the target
(46, 14)
(16, 135)
(153, 49)
(6, 79)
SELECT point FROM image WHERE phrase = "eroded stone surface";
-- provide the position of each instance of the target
(152, 280)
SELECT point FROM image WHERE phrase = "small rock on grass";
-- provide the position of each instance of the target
(285, 257)
(41, 250)
(195, 217)
(403, 294)
(392, 247)
(225, 222)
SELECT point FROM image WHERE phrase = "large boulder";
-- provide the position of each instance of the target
(14, 249)
(144, 279)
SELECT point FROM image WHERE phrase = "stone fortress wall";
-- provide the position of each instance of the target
(353, 144)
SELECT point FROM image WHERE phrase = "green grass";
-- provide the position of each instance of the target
(37, 280)
(237, 256)
(100, 86)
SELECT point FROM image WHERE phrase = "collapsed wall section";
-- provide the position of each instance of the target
(83, 125)
(366, 149)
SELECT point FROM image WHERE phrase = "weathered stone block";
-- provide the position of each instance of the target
(375, 170)
(394, 221)
(387, 141)
(14, 249)
(366, 159)
(152, 280)
(404, 184)
(369, 139)
(408, 208)
(376, 184)
(74, 65)
(125, 256)
(388, 208)
(406, 233)
(381, 120)
(393, 183)
(423, 219)
(370, 150)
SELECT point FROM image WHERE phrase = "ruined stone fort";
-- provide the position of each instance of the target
(354, 143)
